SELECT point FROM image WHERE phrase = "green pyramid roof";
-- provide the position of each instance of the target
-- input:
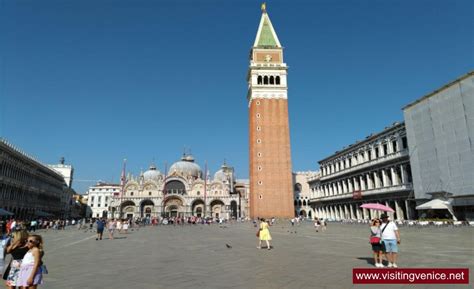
(266, 35)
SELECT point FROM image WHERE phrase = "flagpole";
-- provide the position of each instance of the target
(164, 192)
(122, 183)
(205, 190)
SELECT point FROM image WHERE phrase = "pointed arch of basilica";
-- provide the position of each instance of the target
(147, 208)
(174, 206)
(128, 209)
(217, 208)
(197, 208)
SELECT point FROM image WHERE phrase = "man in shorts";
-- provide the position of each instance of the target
(391, 239)
(100, 228)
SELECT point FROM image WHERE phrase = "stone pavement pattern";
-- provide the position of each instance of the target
(197, 257)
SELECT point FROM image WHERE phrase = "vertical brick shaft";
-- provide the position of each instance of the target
(271, 185)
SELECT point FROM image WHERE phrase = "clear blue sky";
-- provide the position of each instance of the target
(99, 81)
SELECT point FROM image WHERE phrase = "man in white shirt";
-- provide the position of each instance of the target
(391, 239)
(13, 226)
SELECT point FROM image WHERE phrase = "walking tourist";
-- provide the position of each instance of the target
(111, 227)
(33, 225)
(119, 226)
(17, 249)
(3, 246)
(264, 234)
(391, 239)
(375, 241)
(125, 226)
(100, 228)
(317, 224)
(324, 224)
(31, 274)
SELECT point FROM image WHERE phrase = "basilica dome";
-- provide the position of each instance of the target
(220, 176)
(186, 167)
(152, 174)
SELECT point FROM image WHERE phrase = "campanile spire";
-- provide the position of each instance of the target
(271, 193)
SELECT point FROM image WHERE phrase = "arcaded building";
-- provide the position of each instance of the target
(374, 170)
(30, 189)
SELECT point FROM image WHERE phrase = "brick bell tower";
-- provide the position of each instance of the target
(271, 184)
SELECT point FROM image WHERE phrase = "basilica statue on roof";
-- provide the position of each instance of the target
(183, 191)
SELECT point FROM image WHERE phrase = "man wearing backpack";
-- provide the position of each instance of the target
(391, 239)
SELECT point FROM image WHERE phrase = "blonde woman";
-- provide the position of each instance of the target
(18, 250)
(31, 274)
(264, 234)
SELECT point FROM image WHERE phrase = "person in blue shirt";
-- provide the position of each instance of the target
(100, 228)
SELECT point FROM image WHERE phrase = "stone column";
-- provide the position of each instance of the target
(404, 174)
(394, 177)
(362, 183)
(408, 210)
(390, 214)
(385, 179)
(370, 185)
(346, 212)
(351, 208)
(349, 183)
(339, 189)
(399, 211)
(376, 180)
(364, 213)
(344, 186)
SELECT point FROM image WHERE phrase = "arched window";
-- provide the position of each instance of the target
(259, 79)
(277, 80)
(296, 203)
(304, 203)
(298, 187)
(265, 79)
(175, 187)
(272, 80)
(299, 203)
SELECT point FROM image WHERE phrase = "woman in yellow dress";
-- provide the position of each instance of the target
(264, 234)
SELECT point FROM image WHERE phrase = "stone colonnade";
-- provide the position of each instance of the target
(352, 211)
(380, 178)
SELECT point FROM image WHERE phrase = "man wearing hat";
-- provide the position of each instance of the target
(391, 238)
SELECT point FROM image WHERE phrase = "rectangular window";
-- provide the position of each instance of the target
(376, 152)
(369, 152)
(92, 199)
(394, 146)
(385, 149)
(404, 142)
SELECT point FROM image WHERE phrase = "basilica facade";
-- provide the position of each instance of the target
(183, 191)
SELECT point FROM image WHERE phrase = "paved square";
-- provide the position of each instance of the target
(197, 257)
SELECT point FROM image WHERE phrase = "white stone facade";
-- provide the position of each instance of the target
(99, 199)
(67, 171)
(302, 193)
(182, 192)
(376, 170)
